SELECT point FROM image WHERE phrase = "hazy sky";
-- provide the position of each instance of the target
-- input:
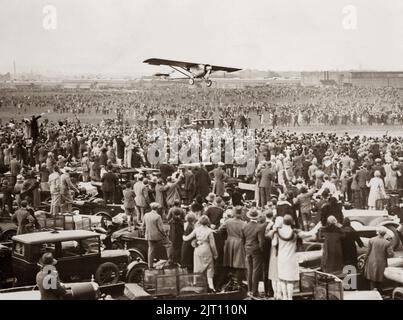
(115, 36)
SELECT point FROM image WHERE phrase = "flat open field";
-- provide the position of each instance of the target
(9, 112)
(374, 130)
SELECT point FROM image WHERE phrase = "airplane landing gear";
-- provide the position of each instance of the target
(191, 81)
(209, 83)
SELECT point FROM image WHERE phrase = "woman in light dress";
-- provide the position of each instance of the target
(392, 175)
(281, 173)
(376, 190)
(273, 270)
(287, 262)
(7, 156)
(205, 250)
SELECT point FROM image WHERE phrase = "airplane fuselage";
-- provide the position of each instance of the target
(201, 71)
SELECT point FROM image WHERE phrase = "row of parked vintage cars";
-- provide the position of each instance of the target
(78, 243)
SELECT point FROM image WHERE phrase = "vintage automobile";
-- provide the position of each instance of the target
(318, 285)
(5, 263)
(394, 275)
(178, 284)
(135, 242)
(79, 254)
(68, 221)
(75, 291)
(128, 174)
(97, 206)
(365, 222)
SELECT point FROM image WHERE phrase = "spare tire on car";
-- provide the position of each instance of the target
(136, 273)
(107, 273)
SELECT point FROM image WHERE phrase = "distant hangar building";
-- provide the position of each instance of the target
(373, 79)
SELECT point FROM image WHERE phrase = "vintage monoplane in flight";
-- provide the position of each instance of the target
(191, 70)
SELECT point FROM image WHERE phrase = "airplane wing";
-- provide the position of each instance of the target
(185, 65)
(226, 69)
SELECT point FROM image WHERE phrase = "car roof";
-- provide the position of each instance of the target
(50, 236)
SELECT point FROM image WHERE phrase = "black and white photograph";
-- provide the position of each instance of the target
(225, 151)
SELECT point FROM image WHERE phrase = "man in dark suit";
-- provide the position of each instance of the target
(215, 212)
(23, 219)
(154, 232)
(379, 250)
(266, 220)
(266, 176)
(378, 167)
(400, 179)
(15, 168)
(34, 127)
(202, 182)
(120, 149)
(189, 185)
(109, 183)
(362, 178)
(253, 239)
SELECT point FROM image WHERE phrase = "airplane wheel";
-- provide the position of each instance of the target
(191, 81)
(209, 83)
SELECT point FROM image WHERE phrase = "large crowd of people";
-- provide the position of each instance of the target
(301, 179)
(273, 105)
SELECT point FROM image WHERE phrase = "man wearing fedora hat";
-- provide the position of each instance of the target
(253, 239)
(15, 168)
(219, 176)
(85, 165)
(22, 218)
(66, 188)
(266, 177)
(47, 279)
(363, 176)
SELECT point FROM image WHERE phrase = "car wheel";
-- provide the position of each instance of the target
(397, 293)
(107, 273)
(7, 235)
(396, 238)
(361, 262)
(136, 273)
